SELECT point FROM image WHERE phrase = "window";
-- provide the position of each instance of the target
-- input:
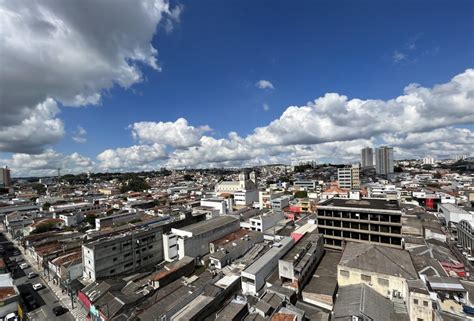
(383, 282)
(415, 301)
(112, 271)
(366, 278)
(425, 303)
(419, 319)
(115, 259)
(128, 265)
(150, 247)
(344, 273)
(114, 248)
(127, 255)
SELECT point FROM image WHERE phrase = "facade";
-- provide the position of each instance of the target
(386, 270)
(193, 240)
(281, 202)
(122, 254)
(384, 160)
(223, 205)
(9, 295)
(5, 178)
(261, 223)
(306, 184)
(253, 277)
(295, 267)
(367, 157)
(365, 221)
(466, 236)
(349, 177)
(453, 214)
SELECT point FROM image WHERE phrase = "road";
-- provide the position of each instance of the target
(45, 299)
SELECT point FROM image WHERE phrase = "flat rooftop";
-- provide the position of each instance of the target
(365, 203)
(209, 225)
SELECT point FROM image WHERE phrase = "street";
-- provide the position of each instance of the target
(39, 303)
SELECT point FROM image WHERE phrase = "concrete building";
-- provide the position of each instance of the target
(367, 157)
(428, 161)
(263, 222)
(295, 267)
(5, 178)
(419, 304)
(465, 233)
(281, 202)
(232, 246)
(265, 198)
(364, 221)
(349, 177)
(124, 253)
(222, 205)
(306, 184)
(81, 207)
(384, 269)
(9, 295)
(253, 277)
(384, 161)
(193, 240)
(453, 214)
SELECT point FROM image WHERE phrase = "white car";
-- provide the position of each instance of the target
(24, 266)
(37, 286)
(11, 317)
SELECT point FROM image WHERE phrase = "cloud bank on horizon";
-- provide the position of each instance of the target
(58, 41)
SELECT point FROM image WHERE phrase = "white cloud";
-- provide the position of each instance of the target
(79, 135)
(71, 53)
(47, 163)
(38, 127)
(131, 157)
(177, 134)
(265, 107)
(399, 56)
(264, 84)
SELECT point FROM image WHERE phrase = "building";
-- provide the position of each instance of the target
(245, 190)
(222, 205)
(232, 246)
(365, 221)
(9, 295)
(193, 240)
(5, 178)
(349, 177)
(295, 267)
(428, 161)
(124, 253)
(254, 276)
(367, 157)
(306, 184)
(384, 160)
(360, 302)
(384, 269)
(263, 222)
(453, 214)
(465, 233)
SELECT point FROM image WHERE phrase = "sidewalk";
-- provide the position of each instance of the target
(65, 300)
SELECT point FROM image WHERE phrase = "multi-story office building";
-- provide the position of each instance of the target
(124, 253)
(384, 160)
(367, 157)
(367, 221)
(349, 177)
(5, 179)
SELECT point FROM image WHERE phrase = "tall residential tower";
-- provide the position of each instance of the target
(384, 160)
(367, 157)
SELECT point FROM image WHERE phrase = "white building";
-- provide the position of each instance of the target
(454, 214)
(428, 161)
(261, 223)
(349, 177)
(193, 240)
(253, 277)
(223, 205)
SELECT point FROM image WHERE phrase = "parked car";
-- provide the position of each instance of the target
(11, 317)
(59, 310)
(37, 286)
(19, 259)
(31, 275)
(24, 266)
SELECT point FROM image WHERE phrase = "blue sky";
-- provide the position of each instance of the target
(218, 50)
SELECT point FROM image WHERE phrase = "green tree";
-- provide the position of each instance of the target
(135, 184)
(40, 189)
(301, 194)
(90, 219)
(46, 206)
(42, 228)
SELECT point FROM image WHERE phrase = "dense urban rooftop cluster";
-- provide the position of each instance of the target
(379, 240)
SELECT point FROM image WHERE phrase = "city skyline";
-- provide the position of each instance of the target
(269, 85)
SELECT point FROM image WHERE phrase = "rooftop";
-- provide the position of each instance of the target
(209, 225)
(365, 203)
(379, 259)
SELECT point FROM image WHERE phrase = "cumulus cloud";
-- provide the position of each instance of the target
(265, 107)
(131, 157)
(39, 127)
(176, 134)
(71, 54)
(79, 135)
(264, 84)
(47, 163)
